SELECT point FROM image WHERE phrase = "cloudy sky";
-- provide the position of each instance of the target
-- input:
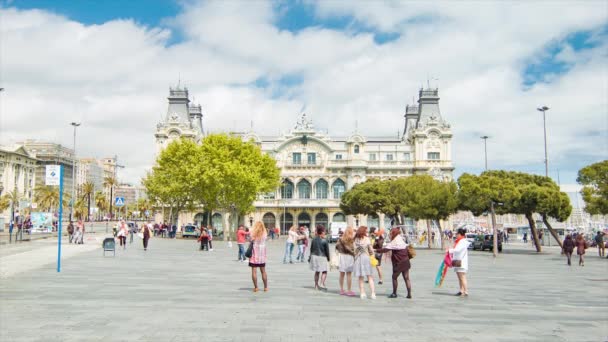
(109, 64)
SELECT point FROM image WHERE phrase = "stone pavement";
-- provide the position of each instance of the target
(173, 292)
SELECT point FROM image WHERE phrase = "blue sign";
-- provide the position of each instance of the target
(119, 202)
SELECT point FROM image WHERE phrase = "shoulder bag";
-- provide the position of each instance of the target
(411, 251)
(249, 251)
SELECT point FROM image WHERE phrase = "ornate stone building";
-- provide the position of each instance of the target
(316, 169)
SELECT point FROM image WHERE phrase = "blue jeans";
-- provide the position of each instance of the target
(300, 256)
(241, 252)
(288, 250)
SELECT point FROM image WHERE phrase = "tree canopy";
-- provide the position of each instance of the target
(368, 198)
(594, 179)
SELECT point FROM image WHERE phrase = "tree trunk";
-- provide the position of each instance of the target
(429, 233)
(494, 231)
(89, 209)
(533, 231)
(553, 232)
(111, 195)
(441, 234)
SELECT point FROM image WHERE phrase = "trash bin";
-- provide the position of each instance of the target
(109, 245)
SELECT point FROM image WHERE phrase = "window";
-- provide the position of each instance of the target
(338, 157)
(406, 156)
(312, 158)
(389, 156)
(372, 156)
(433, 156)
(338, 188)
(356, 148)
(321, 189)
(287, 189)
(297, 158)
(304, 189)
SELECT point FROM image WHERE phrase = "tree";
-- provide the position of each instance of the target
(481, 194)
(173, 181)
(88, 189)
(110, 182)
(47, 197)
(232, 173)
(101, 201)
(368, 198)
(594, 179)
(424, 198)
(5, 202)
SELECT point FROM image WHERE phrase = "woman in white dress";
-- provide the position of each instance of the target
(346, 250)
(363, 267)
(460, 260)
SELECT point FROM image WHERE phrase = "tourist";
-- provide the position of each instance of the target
(70, 231)
(300, 243)
(525, 237)
(568, 248)
(271, 230)
(210, 238)
(346, 252)
(401, 261)
(80, 226)
(147, 230)
(460, 260)
(378, 244)
(319, 257)
(258, 256)
(581, 245)
(599, 239)
(122, 234)
(362, 267)
(204, 239)
(292, 237)
(241, 238)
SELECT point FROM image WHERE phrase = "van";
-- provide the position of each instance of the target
(334, 231)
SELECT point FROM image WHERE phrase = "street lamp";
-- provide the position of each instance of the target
(485, 149)
(544, 109)
(75, 125)
(492, 212)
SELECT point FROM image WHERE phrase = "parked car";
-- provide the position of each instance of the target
(486, 241)
(190, 230)
(471, 239)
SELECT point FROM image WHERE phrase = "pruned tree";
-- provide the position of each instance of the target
(594, 179)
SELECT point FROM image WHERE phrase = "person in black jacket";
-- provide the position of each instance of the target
(319, 258)
(568, 248)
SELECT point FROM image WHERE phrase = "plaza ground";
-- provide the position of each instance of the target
(174, 292)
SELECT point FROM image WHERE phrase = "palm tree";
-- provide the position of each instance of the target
(47, 197)
(80, 208)
(87, 190)
(101, 201)
(5, 202)
(110, 182)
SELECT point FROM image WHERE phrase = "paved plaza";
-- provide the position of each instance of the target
(173, 292)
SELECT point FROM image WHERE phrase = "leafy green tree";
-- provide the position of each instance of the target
(594, 179)
(368, 198)
(110, 182)
(47, 197)
(173, 181)
(101, 202)
(231, 173)
(425, 198)
(5, 202)
(87, 191)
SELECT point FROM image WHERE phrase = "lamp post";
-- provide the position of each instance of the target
(75, 125)
(544, 109)
(492, 213)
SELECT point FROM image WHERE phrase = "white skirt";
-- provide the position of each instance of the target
(318, 263)
(346, 263)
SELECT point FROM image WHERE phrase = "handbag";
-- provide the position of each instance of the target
(373, 261)
(411, 251)
(456, 263)
(249, 251)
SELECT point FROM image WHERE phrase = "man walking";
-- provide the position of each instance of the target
(601, 248)
(70, 231)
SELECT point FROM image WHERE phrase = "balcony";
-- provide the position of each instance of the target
(298, 203)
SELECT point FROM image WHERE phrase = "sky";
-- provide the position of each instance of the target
(109, 65)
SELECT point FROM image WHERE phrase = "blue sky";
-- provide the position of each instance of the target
(256, 61)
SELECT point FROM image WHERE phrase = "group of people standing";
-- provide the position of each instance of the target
(124, 230)
(76, 234)
(581, 245)
(206, 239)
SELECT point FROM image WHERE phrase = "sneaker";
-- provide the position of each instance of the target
(393, 295)
(342, 293)
(351, 294)
(363, 296)
(380, 282)
(373, 296)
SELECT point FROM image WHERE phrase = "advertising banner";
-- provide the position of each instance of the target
(42, 222)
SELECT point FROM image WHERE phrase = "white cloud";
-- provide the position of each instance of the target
(114, 77)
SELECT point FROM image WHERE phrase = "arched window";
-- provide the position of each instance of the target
(216, 222)
(304, 189)
(339, 217)
(356, 148)
(304, 220)
(286, 222)
(321, 188)
(338, 188)
(269, 220)
(200, 219)
(321, 219)
(287, 189)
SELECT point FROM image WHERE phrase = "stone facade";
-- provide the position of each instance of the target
(317, 168)
(17, 173)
